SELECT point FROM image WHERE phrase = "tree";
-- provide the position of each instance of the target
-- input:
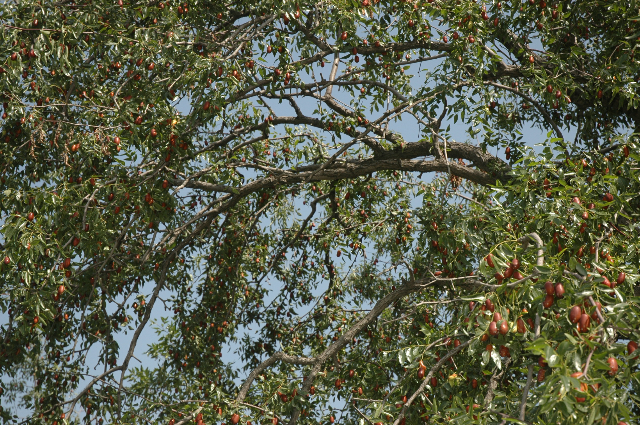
(238, 171)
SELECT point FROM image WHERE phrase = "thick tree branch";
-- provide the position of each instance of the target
(344, 170)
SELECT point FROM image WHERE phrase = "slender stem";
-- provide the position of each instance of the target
(586, 366)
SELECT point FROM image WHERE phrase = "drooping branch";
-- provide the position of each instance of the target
(292, 240)
(87, 387)
(154, 296)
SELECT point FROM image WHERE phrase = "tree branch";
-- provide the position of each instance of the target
(427, 378)
(279, 356)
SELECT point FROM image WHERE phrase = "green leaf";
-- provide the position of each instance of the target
(551, 357)
(581, 269)
(573, 263)
(485, 357)
(543, 270)
(538, 346)
(402, 357)
(496, 359)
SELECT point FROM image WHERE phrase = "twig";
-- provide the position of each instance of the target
(472, 200)
(597, 244)
(506, 417)
(286, 358)
(88, 387)
(362, 414)
(586, 366)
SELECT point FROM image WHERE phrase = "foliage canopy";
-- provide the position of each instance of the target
(282, 178)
